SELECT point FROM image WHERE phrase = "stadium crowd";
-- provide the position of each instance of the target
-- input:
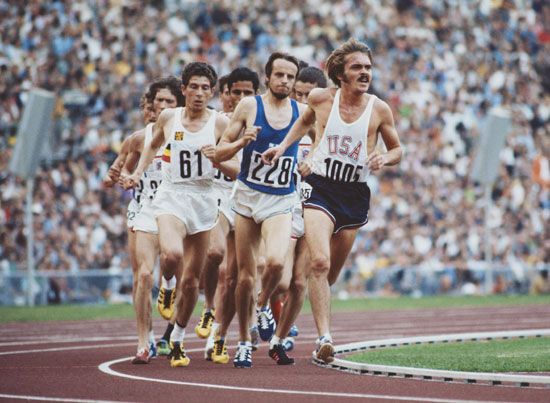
(441, 65)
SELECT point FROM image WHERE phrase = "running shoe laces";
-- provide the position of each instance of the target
(266, 323)
(206, 320)
(166, 297)
(219, 346)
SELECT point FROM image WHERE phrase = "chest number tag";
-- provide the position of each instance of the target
(277, 175)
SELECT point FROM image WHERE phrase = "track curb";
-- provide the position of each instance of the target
(433, 374)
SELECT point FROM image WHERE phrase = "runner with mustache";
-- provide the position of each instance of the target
(349, 121)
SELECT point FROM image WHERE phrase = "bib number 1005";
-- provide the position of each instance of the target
(338, 171)
(277, 175)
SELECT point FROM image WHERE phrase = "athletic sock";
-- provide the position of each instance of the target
(168, 284)
(177, 334)
(274, 341)
(151, 336)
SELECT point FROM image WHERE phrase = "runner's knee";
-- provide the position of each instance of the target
(298, 286)
(171, 258)
(245, 282)
(215, 255)
(274, 265)
(146, 278)
(320, 266)
(189, 284)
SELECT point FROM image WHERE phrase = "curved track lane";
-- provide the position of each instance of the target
(89, 360)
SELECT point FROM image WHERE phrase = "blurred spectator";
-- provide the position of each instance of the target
(440, 65)
(541, 284)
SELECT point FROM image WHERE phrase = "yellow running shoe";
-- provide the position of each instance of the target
(177, 355)
(205, 324)
(165, 302)
(219, 355)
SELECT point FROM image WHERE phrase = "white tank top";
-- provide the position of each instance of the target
(342, 152)
(152, 177)
(184, 161)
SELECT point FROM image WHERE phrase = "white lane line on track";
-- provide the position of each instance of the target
(46, 350)
(106, 368)
(191, 340)
(62, 339)
(54, 399)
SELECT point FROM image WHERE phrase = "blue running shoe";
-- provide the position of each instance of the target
(266, 323)
(288, 343)
(152, 349)
(293, 332)
(243, 356)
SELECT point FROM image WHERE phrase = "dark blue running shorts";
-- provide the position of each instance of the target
(346, 203)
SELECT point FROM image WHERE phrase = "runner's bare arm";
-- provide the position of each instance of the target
(230, 167)
(115, 169)
(390, 137)
(135, 149)
(231, 143)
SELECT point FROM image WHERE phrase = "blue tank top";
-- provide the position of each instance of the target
(272, 179)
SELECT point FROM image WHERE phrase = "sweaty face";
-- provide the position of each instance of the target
(198, 92)
(163, 99)
(302, 90)
(225, 98)
(357, 71)
(282, 78)
(239, 90)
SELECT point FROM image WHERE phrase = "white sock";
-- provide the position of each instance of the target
(327, 336)
(274, 341)
(151, 336)
(177, 334)
(168, 284)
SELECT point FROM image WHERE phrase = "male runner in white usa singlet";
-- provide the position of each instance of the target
(349, 120)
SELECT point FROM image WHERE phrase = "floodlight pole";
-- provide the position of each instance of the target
(30, 242)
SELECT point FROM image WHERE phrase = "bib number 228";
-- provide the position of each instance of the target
(277, 175)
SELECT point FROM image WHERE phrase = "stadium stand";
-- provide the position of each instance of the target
(440, 64)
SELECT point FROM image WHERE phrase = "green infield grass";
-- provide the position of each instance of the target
(516, 355)
(118, 311)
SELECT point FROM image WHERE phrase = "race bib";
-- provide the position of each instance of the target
(187, 165)
(278, 175)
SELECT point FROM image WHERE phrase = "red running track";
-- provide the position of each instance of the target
(62, 360)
